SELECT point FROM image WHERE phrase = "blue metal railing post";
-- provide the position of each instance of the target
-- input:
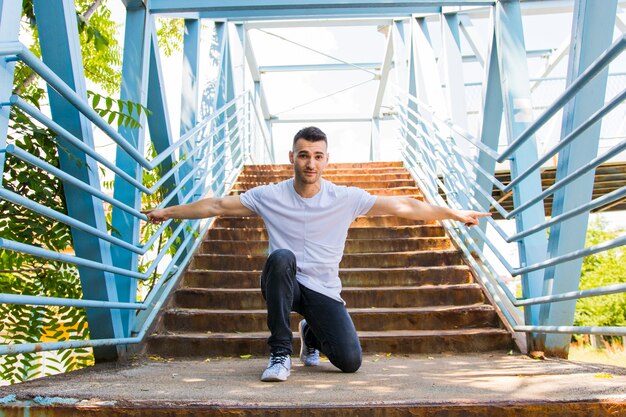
(592, 32)
(58, 35)
(189, 90)
(455, 88)
(518, 115)
(490, 130)
(220, 99)
(159, 120)
(134, 88)
(10, 14)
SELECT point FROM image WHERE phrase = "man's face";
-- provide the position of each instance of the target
(309, 160)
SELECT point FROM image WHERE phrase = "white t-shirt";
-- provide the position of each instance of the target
(314, 229)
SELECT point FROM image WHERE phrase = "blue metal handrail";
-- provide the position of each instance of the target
(427, 149)
(231, 128)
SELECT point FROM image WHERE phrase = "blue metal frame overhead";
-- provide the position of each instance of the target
(294, 9)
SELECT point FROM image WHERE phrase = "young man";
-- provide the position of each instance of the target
(307, 219)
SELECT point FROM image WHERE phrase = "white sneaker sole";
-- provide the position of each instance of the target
(275, 378)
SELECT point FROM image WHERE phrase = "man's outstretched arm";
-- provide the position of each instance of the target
(207, 207)
(411, 208)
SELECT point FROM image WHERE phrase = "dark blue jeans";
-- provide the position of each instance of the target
(330, 328)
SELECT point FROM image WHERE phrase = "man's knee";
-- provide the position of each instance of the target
(349, 361)
(281, 258)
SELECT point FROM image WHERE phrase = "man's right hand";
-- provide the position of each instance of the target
(155, 215)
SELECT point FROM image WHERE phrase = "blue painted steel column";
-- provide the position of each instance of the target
(134, 88)
(189, 91)
(592, 32)
(375, 140)
(428, 84)
(518, 115)
(10, 14)
(221, 98)
(489, 128)
(159, 119)
(455, 94)
(60, 49)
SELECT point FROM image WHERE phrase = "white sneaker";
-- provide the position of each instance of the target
(278, 369)
(308, 355)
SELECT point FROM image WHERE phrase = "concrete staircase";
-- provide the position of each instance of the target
(406, 286)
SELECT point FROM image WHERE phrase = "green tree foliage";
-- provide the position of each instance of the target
(28, 275)
(606, 268)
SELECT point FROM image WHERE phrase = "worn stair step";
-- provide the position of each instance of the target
(362, 221)
(259, 233)
(372, 319)
(260, 247)
(354, 277)
(329, 173)
(405, 191)
(273, 178)
(350, 260)
(399, 341)
(397, 297)
(331, 166)
(373, 182)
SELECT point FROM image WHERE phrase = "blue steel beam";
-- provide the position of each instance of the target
(489, 128)
(189, 90)
(518, 115)
(455, 87)
(384, 75)
(272, 9)
(134, 87)
(221, 93)
(592, 32)
(259, 91)
(60, 48)
(159, 120)
(10, 13)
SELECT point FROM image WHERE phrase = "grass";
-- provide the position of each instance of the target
(614, 355)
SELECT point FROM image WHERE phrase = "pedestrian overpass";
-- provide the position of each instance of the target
(467, 145)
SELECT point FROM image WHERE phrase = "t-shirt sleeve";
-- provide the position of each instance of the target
(252, 199)
(362, 201)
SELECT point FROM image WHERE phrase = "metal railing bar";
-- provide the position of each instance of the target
(70, 95)
(583, 79)
(59, 85)
(569, 138)
(594, 163)
(56, 128)
(489, 276)
(10, 48)
(33, 160)
(453, 230)
(593, 292)
(489, 197)
(262, 126)
(69, 344)
(19, 299)
(602, 330)
(171, 281)
(182, 184)
(188, 135)
(449, 124)
(64, 218)
(598, 202)
(495, 250)
(62, 257)
(604, 246)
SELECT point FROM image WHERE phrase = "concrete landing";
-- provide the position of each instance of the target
(443, 385)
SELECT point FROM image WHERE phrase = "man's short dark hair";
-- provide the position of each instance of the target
(312, 134)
